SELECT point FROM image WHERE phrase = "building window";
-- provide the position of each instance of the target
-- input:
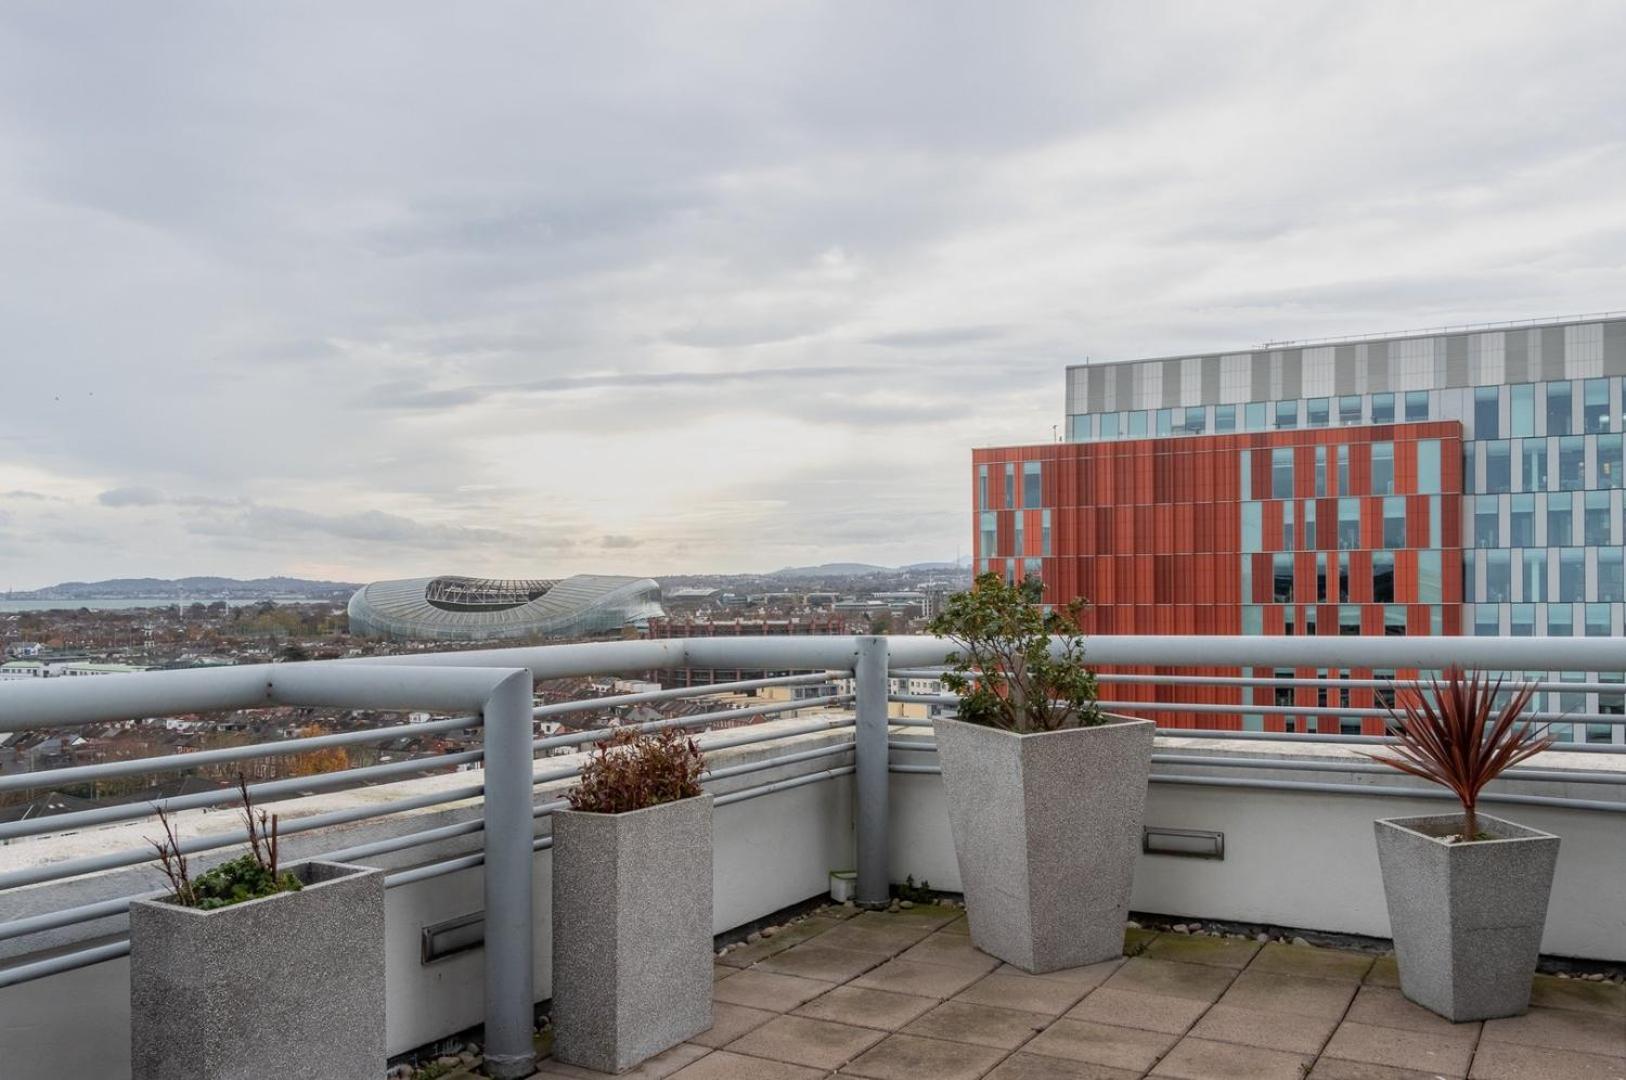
(1349, 409)
(1498, 466)
(1595, 518)
(1281, 472)
(1430, 578)
(1534, 573)
(1224, 419)
(1033, 568)
(1522, 411)
(1165, 422)
(1609, 471)
(1597, 620)
(1321, 472)
(1253, 529)
(1349, 620)
(1383, 408)
(1434, 524)
(1316, 412)
(1498, 576)
(1595, 406)
(1560, 514)
(1247, 579)
(1032, 484)
(982, 487)
(1253, 619)
(1309, 525)
(1394, 620)
(1611, 580)
(1349, 524)
(1044, 535)
(1571, 463)
(1081, 428)
(1521, 520)
(990, 531)
(1486, 518)
(1485, 621)
(1394, 522)
(1558, 408)
(1253, 416)
(1343, 470)
(1343, 577)
(1018, 544)
(1245, 474)
(1533, 464)
(1010, 485)
(1137, 424)
(1571, 574)
(1383, 468)
(1287, 414)
(1287, 527)
(1383, 577)
(1109, 425)
(1560, 620)
(1428, 466)
(1521, 620)
(1416, 405)
(1487, 419)
(1281, 575)
(1320, 578)
(1195, 421)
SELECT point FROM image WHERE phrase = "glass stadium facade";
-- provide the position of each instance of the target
(489, 609)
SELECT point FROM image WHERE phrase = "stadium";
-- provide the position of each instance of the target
(491, 609)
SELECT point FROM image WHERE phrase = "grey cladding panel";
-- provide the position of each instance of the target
(1211, 380)
(1614, 348)
(1292, 374)
(1171, 383)
(1343, 370)
(1456, 360)
(1260, 377)
(1517, 356)
(1552, 353)
(1377, 367)
(1125, 376)
(1095, 389)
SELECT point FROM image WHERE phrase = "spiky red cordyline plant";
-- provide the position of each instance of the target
(1460, 739)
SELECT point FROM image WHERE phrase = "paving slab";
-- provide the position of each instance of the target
(955, 950)
(1030, 993)
(1085, 978)
(827, 963)
(882, 1009)
(956, 926)
(910, 1057)
(1025, 1066)
(984, 1025)
(1137, 939)
(767, 990)
(870, 938)
(922, 980)
(1338, 1069)
(782, 939)
(1510, 1061)
(802, 1040)
(1552, 992)
(1200, 1059)
(1199, 982)
(1102, 1044)
(1389, 1008)
(1385, 971)
(928, 915)
(1299, 995)
(664, 1064)
(722, 1065)
(1400, 1049)
(1312, 961)
(729, 1022)
(1281, 1031)
(1201, 949)
(1149, 1012)
(1562, 1029)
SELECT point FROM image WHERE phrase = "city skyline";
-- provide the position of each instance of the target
(377, 294)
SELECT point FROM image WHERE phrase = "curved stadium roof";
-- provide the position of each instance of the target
(483, 609)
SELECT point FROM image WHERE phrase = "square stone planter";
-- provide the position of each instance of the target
(286, 985)
(1466, 918)
(632, 932)
(1047, 828)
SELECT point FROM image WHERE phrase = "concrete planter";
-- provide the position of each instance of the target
(287, 985)
(631, 932)
(1046, 828)
(1466, 918)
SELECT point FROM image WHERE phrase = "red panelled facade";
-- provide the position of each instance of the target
(1169, 536)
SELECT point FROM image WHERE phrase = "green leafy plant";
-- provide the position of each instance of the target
(916, 894)
(1458, 737)
(247, 877)
(633, 770)
(1005, 672)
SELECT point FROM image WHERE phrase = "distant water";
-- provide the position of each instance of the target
(131, 603)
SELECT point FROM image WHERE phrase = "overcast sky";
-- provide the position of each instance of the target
(368, 290)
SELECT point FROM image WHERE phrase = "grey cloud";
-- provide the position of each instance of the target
(616, 542)
(131, 496)
(948, 335)
(273, 523)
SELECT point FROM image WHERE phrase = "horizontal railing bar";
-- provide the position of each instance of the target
(643, 697)
(1273, 710)
(57, 965)
(578, 738)
(1329, 681)
(773, 763)
(1290, 737)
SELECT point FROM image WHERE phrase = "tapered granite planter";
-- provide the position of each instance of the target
(631, 932)
(286, 985)
(1466, 918)
(1046, 828)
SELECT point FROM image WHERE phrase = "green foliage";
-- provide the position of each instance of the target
(240, 879)
(633, 770)
(918, 894)
(1006, 674)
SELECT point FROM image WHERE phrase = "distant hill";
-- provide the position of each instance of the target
(834, 569)
(929, 567)
(188, 587)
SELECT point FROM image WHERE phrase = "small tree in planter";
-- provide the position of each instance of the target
(1045, 792)
(251, 969)
(632, 903)
(1467, 893)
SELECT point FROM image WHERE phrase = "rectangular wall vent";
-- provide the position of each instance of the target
(1187, 843)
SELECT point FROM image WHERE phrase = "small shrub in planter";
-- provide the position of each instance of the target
(1046, 793)
(1467, 893)
(632, 903)
(251, 969)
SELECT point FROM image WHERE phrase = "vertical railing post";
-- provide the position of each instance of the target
(510, 1000)
(870, 754)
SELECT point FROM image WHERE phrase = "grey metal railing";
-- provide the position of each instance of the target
(492, 690)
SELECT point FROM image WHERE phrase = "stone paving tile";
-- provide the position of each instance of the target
(1300, 995)
(768, 990)
(955, 950)
(1025, 1066)
(1102, 1044)
(881, 1009)
(957, 926)
(1309, 960)
(1199, 1059)
(1400, 1049)
(1029, 993)
(666, 1063)
(1137, 940)
(784, 938)
(928, 915)
(801, 1040)
(910, 1057)
(719, 972)
(1338, 1069)
(1270, 1031)
(1509, 1061)
(1385, 972)
(868, 938)
(826, 963)
(1085, 978)
(1555, 993)
(984, 1025)
(1201, 949)
(729, 1022)
(922, 980)
(1150, 1012)
(1199, 982)
(1562, 1029)
(1389, 1008)
(722, 1065)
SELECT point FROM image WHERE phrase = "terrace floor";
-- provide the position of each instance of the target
(904, 996)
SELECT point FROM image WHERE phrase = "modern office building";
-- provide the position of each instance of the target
(1451, 482)
(485, 609)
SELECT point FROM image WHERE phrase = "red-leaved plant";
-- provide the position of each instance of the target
(1458, 737)
(632, 770)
